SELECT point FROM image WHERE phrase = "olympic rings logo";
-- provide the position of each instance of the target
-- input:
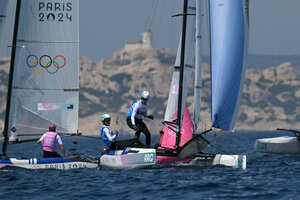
(45, 62)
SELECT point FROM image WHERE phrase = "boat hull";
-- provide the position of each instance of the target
(235, 161)
(202, 159)
(278, 145)
(169, 159)
(72, 162)
(128, 158)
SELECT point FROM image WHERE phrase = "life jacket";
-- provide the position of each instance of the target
(104, 136)
(141, 110)
(50, 142)
(131, 108)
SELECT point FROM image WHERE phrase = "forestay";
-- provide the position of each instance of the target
(45, 80)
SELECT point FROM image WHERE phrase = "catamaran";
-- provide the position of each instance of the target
(228, 44)
(279, 145)
(43, 83)
(128, 158)
(132, 155)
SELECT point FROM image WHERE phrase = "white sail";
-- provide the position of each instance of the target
(7, 8)
(189, 59)
(201, 5)
(3, 19)
(46, 73)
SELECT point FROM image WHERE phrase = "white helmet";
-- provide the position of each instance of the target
(104, 117)
(145, 95)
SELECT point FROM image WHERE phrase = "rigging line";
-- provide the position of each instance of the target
(87, 136)
(143, 53)
(216, 136)
(35, 139)
(42, 117)
(27, 126)
(117, 121)
(154, 7)
(172, 28)
(161, 17)
(150, 17)
(147, 24)
(152, 14)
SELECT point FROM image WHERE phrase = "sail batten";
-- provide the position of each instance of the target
(49, 41)
(32, 88)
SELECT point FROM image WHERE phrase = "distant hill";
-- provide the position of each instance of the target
(271, 95)
(266, 61)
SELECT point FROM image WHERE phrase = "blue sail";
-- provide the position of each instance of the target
(229, 43)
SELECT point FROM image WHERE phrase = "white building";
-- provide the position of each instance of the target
(146, 42)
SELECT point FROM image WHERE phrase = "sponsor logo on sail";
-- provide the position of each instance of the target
(55, 11)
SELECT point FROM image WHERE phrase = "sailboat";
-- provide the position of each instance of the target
(228, 45)
(43, 80)
(279, 145)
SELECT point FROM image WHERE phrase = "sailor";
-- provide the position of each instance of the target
(135, 115)
(109, 137)
(50, 139)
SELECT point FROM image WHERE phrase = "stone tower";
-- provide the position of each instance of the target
(147, 39)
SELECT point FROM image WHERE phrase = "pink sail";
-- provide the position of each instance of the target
(168, 139)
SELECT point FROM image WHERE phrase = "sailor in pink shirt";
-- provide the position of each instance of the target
(50, 139)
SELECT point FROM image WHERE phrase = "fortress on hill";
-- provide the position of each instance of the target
(146, 43)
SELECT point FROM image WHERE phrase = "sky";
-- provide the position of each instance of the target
(105, 25)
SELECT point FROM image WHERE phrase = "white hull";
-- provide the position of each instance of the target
(49, 163)
(129, 158)
(236, 161)
(278, 145)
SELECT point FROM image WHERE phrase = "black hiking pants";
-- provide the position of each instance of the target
(141, 126)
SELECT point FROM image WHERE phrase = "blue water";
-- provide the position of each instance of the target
(266, 176)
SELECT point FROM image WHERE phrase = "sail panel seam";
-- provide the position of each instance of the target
(49, 41)
(65, 89)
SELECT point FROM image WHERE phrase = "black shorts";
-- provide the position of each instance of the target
(49, 154)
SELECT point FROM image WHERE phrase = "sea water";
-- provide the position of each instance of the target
(267, 176)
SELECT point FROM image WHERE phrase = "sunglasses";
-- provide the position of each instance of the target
(107, 120)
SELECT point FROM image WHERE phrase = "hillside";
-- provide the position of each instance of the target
(270, 99)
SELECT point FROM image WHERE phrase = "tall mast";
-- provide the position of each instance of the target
(10, 80)
(183, 36)
(198, 62)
